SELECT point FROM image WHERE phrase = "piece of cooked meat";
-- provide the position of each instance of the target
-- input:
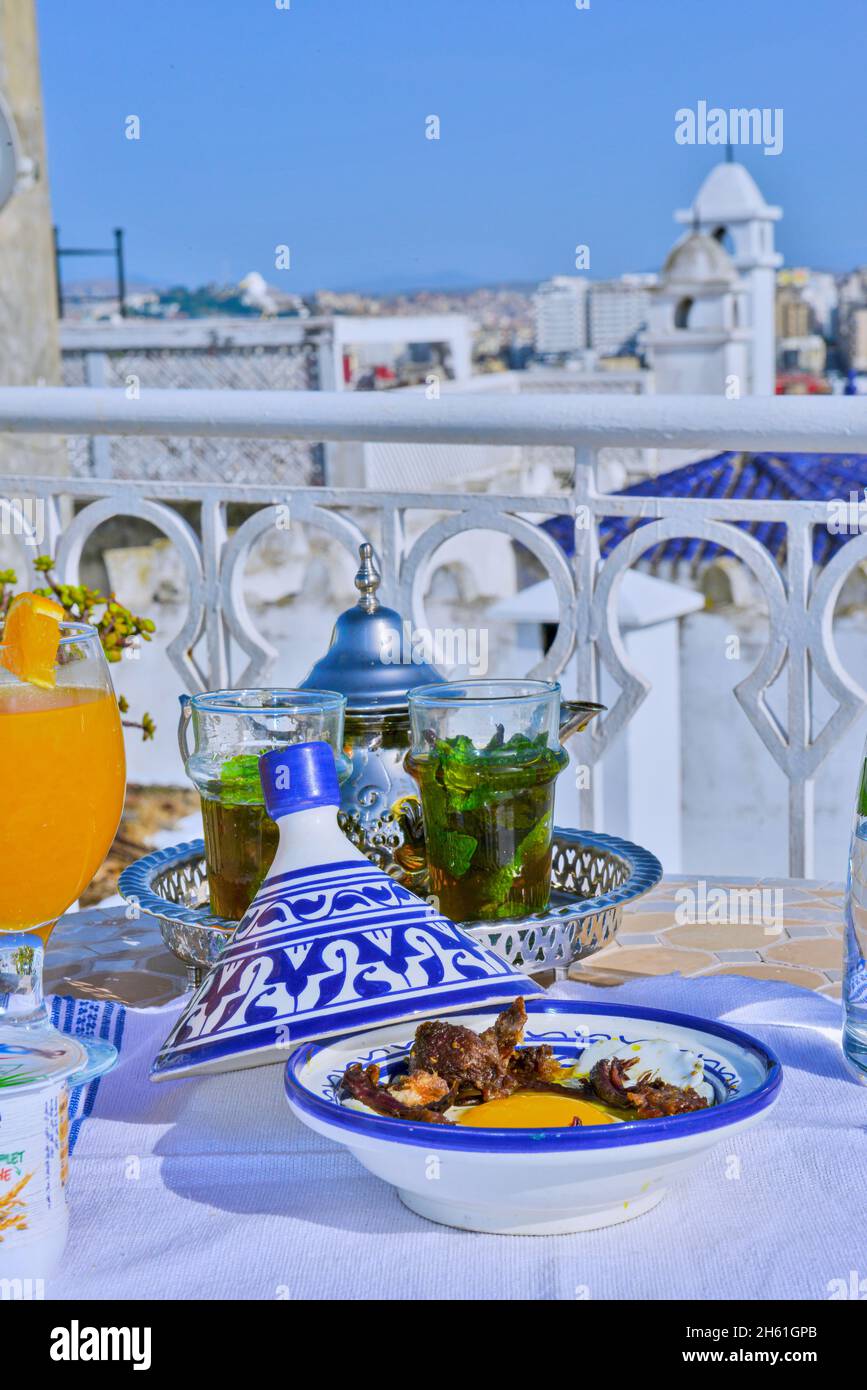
(363, 1084)
(537, 1069)
(419, 1088)
(609, 1081)
(473, 1064)
(656, 1098)
(508, 1029)
(461, 1057)
(536, 1064)
(448, 1063)
(650, 1099)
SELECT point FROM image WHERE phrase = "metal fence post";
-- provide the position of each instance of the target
(98, 446)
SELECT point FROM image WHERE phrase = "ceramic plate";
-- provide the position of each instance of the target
(744, 1075)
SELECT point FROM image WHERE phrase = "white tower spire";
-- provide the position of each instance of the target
(730, 208)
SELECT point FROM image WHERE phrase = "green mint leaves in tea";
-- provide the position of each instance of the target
(240, 837)
(488, 818)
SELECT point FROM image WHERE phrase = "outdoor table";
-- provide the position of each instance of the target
(105, 953)
(210, 1188)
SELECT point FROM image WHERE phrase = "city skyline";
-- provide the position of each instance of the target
(556, 128)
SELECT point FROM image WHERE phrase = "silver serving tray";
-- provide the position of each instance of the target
(593, 877)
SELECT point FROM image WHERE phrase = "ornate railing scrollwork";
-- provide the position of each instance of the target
(800, 600)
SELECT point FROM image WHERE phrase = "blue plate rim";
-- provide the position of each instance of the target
(511, 1141)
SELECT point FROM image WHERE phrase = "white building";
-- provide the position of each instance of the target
(730, 208)
(851, 332)
(852, 288)
(697, 340)
(820, 292)
(854, 338)
(805, 353)
(618, 309)
(560, 308)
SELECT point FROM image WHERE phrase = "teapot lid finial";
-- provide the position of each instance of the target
(371, 659)
(367, 578)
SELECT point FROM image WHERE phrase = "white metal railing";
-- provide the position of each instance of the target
(800, 602)
(825, 424)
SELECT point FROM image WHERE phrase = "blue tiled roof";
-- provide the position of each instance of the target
(779, 477)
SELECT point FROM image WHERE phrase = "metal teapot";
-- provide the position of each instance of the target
(380, 810)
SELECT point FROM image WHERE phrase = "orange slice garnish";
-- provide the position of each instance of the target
(28, 646)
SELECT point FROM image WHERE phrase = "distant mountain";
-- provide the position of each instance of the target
(212, 298)
(105, 285)
(443, 282)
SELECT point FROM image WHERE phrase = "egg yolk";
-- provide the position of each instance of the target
(533, 1110)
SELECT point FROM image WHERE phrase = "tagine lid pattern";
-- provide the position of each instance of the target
(366, 657)
(325, 951)
(330, 944)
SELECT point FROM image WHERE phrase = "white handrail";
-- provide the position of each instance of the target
(821, 425)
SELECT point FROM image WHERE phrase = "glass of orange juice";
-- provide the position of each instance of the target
(62, 781)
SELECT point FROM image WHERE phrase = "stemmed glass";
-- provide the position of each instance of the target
(62, 781)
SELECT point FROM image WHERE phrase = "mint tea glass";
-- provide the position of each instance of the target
(486, 755)
(231, 731)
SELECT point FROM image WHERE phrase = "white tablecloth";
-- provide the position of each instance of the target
(211, 1189)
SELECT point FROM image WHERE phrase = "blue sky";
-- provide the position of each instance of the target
(263, 126)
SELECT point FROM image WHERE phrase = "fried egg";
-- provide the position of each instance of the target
(657, 1059)
(531, 1110)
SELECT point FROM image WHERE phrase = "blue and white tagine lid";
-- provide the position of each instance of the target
(329, 945)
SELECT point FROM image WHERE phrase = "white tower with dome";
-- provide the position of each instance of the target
(698, 340)
(729, 208)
